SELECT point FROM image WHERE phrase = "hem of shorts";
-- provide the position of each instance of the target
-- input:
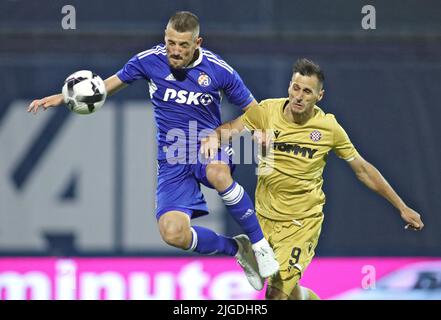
(191, 212)
(285, 218)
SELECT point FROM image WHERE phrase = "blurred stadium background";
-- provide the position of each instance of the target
(77, 192)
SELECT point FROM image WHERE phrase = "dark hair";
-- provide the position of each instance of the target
(308, 68)
(184, 21)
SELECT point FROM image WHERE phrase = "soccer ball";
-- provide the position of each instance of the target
(84, 92)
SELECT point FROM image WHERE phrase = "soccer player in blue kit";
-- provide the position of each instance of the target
(185, 83)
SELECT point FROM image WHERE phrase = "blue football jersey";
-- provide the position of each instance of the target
(186, 102)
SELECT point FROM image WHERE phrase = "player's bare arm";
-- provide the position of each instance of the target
(223, 133)
(373, 179)
(46, 102)
(113, 84)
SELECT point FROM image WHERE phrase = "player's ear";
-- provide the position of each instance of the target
(321, 94)
(198, 42)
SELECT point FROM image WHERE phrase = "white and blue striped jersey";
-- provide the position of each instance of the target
(185, 101)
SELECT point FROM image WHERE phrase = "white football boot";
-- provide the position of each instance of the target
(266, 261)
(247, 260)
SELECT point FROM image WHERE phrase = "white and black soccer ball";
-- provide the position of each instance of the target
(84, 92)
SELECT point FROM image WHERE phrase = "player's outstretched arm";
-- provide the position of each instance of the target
(113, 84)
(46, 102)
(373, 179)
(222, 134)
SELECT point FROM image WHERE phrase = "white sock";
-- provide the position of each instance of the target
(260, 244)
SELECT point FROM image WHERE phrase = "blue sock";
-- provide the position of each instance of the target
(206, 241)
(241, 208)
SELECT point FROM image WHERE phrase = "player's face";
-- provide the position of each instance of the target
(304, 92)
(181, 47)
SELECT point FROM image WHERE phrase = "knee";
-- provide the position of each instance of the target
(219, 176)
(174, 233)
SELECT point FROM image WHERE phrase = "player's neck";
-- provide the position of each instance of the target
(195, 57)
(298, 118)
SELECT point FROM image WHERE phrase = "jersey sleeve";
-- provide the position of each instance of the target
(235, 90)
(256, 117)
(131, 71)
(343, 146)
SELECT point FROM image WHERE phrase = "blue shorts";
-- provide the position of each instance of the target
(179, 186)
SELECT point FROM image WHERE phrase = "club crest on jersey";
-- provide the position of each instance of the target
(204, 80)
(315, 135)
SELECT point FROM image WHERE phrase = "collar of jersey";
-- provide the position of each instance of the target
(198, 60)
